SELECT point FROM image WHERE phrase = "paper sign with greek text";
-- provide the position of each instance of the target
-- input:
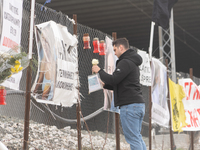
(57, 77)
(10, 34)
(191, 104)
(160, 110)
(145, 69)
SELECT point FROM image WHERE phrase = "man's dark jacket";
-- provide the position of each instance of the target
(125, 80)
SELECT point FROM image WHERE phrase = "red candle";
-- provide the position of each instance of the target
(86, 41)
(2, 95)
(96, 45)
(102, 47)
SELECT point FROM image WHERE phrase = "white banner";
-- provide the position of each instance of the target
(160, 111)
(10, 34)
(145, 69)
(191, 104)
(57, 78)
(110, 61)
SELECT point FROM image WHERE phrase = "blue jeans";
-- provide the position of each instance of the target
(131, 119)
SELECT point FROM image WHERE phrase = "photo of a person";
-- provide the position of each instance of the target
(45, 85)
(109, 67)
(159, 89)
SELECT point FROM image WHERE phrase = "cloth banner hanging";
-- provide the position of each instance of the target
(160, 111)
(110, 61)
(145, 69)
(177, 108)
(10, 34)
(191, 104)
(56, 81)
(162, 12)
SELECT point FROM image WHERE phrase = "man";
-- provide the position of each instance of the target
(127, 91)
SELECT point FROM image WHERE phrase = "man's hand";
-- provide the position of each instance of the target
(95, 69)
(102, 83)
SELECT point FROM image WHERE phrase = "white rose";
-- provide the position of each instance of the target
(95, 61)
(3, 54)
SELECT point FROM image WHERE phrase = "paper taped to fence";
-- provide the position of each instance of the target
(191, 104)
(160, 111)
(145, 69)
(10, 34)
(177, 107)
(94, 83)
(56, 81)
(110, 61)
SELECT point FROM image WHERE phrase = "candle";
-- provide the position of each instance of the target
(2, 95)
(86, 41)
(96, 45)
(102, 47)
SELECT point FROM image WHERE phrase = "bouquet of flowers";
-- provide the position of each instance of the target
(11, 63)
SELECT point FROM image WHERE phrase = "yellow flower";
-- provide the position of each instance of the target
(17, 62)
(20, 68)
(17, 66)
(12, 70)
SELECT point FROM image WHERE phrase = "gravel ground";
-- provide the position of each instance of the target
(44, 137)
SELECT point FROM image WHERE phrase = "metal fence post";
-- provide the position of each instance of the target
(169, 105)
(117, 134)
(28, 79)
(192, 133)
(150, 106)
(78, 101)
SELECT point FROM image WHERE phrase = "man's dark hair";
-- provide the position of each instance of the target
(121, 41)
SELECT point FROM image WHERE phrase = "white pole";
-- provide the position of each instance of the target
(172, 45)
(161, 48)
(31, 29)
(151, 40)
(150, 100)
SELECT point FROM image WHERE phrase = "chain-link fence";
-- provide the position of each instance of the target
(53, 127)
